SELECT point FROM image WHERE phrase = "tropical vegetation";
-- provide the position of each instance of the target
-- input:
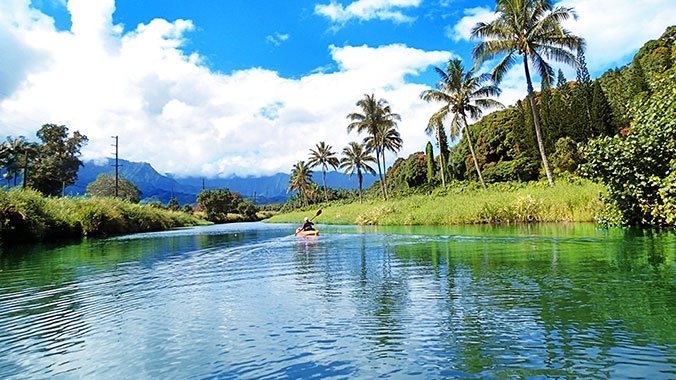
(379, 122)
(323, 156)
(301, 178)
(532, 29)
(27, 216)
(462, 203)
(106, 185)
(356, 159)
(612, 130)
(220, 204)
(461, 93)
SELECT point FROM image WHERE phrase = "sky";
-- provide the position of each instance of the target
(247, 87)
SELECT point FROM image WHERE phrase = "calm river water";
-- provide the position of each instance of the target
(251, 301)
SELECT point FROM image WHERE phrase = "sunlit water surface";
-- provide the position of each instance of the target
(252, 301)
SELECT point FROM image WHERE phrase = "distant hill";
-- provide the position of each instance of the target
(158, 187)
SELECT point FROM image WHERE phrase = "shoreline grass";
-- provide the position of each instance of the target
(501, 203)
(27, 216)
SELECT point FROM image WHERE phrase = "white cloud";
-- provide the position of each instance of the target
(616, 29)
(365, 10)
(276, 39)
(172, 111)
(613, 29)
(463, 29)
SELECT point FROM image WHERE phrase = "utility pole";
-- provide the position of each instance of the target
(202, 183)
(116, 165)
(172, 191)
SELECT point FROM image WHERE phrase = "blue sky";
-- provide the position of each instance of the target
(289, 37)
(222, 87)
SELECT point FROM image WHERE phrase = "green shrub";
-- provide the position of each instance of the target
(26, 216)
(639, 166)
(500, 172)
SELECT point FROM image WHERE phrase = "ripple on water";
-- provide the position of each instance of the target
(257, 303)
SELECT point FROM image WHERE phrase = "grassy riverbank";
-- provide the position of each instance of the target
(502, 203)
(27, 216)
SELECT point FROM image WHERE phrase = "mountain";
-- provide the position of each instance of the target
(158, 187)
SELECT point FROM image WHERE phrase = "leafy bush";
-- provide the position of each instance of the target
(566, 157)
(27, 216)
(500, 172)
(104, 186)
(639, 168)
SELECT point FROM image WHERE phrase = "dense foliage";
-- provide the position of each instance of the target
(49, 166)
(218, 203)
(467, 202)
(104, 186)
(57, 162)
(27, 216)
(639, 168)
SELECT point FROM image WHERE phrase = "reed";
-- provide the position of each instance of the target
(27, 216)
(501, 203)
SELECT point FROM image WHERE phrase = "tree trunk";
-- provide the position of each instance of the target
(326, 197)
(25, 169)
(536, 122)
(471, 149)
(384, 174)
(380, 174)
(441, 157)
(359, 176)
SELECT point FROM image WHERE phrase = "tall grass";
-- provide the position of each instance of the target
(502, 203)
(26, 216)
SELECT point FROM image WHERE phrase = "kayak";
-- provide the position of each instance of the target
(306, 233)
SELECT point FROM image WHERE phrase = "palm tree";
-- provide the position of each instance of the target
(15, 154)
(461, 93)
(19, 151)
(375, 114)
(323, 156)
(356, 158)
(387, 138)
(301, 179)
(532, 29)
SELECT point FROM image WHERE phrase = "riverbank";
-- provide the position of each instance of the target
(501, 203)
(27, 216)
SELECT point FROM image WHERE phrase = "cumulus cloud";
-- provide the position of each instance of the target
(365, 10)
(172, 111)
(616, 29)
(463, 29)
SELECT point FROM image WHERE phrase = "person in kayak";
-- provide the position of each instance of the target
(307, 225)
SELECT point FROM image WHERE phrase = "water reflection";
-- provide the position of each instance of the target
(251, 300)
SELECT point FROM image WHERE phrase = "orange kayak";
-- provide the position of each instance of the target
(306, 233)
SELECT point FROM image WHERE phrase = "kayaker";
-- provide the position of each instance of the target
(308, 225)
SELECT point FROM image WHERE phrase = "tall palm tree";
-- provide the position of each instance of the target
(301, 180)
(15, 152)
(356, 159)
(461, 93)
(325, 157)
(20, 152)
(375, 113)
(387, 138)
(532, 29)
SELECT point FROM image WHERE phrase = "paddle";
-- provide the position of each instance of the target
(319, 212)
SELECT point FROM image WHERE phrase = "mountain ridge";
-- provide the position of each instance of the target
(158, 187)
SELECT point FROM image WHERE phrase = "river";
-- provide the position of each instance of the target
(251, 301)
